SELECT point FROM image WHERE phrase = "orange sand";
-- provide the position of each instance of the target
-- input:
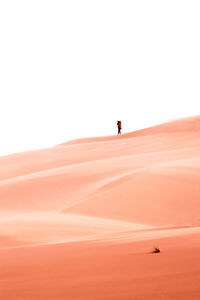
(79, 220)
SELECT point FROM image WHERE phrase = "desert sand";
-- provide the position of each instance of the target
(80, 220)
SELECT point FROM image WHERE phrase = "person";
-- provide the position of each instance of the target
(119, 126)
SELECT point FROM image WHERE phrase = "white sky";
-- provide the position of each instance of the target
(71, 69)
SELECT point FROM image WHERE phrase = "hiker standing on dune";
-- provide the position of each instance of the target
(119, 126)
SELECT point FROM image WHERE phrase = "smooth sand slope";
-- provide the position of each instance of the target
(79, 220)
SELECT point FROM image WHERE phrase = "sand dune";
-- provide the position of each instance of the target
(79, 220)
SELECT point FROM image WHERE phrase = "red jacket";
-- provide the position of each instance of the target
(119, 124)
